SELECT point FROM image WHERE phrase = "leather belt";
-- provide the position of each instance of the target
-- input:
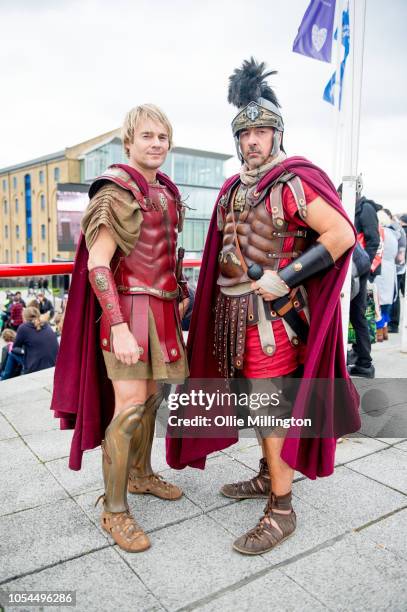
(235, 290)
(166, 295)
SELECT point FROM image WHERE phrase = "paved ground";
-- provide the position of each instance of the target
(349, 552)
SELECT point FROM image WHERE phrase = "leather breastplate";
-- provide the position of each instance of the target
(150, 267)
(261, 236)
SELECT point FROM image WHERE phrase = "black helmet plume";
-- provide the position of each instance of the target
(248, 83)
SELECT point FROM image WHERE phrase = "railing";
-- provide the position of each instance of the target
(49, 269)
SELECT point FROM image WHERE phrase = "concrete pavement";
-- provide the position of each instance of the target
(349, 552)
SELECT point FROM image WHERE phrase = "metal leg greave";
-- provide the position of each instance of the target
(116, 455)
(141, 445)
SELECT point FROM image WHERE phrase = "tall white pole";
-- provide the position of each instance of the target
(404, 327)
(351, 102)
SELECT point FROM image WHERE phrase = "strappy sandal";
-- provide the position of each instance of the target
(259, 486)
(124, 529)
(154, 484)
(272, 529)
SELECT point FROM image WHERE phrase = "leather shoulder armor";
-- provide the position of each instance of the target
(121, 178)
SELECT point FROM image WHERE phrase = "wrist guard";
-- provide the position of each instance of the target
(104, 287)
(313, 260)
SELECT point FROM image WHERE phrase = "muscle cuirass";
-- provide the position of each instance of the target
(260, 234)
(254, 231)
(150, 267)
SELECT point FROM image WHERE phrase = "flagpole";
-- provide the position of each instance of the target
(351, 98)
(338, 139)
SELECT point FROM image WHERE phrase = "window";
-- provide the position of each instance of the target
(17, 256)
(16, 204)
(42, 201)
(6, 231)
(43, 232)
(41, 176)
(17, 231)
(5, 207)
(56, 174)
(14, 182)
(194, 170)
(6, 255)
(4, 184)
(43, 258)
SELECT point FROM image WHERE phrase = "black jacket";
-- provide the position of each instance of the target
(366, 221)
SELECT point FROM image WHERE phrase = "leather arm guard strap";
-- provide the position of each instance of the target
(183, 289)
(104, 286)
(313, 260)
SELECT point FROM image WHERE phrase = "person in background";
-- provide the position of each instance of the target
(386, 281)
(186, 319)
(45, 285)
(367, 227)
(5, 315)
(45, 305)
(16, 312)
(8, 336)
(38, 341)
(31, 287)
(393, 326)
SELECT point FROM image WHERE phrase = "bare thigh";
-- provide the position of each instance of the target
(128, 392)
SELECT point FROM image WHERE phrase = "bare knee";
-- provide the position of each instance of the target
(132, 392)
(129, 392)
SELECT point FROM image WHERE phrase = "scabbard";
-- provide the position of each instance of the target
(284, 308)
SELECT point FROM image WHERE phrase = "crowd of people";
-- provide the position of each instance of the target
(378, 279)
(29, 332)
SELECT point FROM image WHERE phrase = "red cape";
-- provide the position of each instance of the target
(83, 395)
(325, 357)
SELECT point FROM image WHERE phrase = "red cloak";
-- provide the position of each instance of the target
(324, 358)
(83, 394)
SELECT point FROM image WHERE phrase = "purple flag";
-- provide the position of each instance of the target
(314, 36)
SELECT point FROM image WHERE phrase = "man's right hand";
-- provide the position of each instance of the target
(125, 345)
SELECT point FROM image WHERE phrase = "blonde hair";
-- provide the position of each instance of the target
(9, 335)
(33, 315)
(137, 114)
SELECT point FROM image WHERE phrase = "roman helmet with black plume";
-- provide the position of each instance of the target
(257, 103)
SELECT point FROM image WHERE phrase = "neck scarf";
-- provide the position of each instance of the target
(251, 177)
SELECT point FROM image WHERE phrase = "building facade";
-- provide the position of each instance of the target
(40, 214)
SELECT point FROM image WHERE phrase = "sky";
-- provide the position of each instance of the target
(70, 69)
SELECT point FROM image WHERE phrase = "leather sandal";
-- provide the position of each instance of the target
(272, 529)
(259, 486)
(123, 528)
(125, 531)
(154, 484)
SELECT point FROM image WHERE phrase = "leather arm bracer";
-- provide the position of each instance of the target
(309, 264)
(104, 287)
